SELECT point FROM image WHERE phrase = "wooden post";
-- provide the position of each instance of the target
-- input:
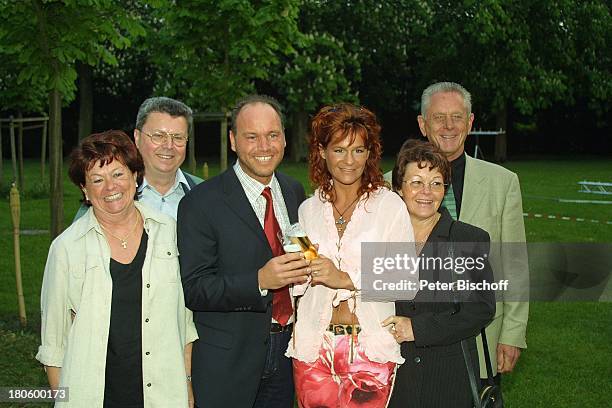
(20, 149)
(205, 171)
(15, 212)
(43, 150)
(13, 151)
(223, 156)
(192, 159)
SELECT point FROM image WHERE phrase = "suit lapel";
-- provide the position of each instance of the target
(474, 187)
(289, 197)
(237, 201)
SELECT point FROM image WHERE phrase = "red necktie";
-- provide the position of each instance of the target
(281, 301)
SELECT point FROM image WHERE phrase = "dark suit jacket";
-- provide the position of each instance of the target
(434, 374)
(222, 246)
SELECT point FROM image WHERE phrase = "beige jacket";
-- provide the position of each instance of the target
(77, 280)
(492, 201)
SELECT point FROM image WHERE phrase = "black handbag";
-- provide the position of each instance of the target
(488, 396)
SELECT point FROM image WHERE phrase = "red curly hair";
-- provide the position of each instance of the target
(336, 122)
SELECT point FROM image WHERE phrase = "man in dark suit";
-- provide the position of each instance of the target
(235, 276)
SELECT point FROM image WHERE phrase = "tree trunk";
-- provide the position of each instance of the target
(500, 140)
(85, 73)
(223, 152)
(299, 134)
(56, 193)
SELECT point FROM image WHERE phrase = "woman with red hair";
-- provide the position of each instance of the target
(342, 356)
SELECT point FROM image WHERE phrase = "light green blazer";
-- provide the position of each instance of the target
(492, 201)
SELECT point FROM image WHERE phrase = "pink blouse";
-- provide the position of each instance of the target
(383, 217)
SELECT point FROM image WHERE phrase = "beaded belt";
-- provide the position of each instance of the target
(277, 328)
(342, 329)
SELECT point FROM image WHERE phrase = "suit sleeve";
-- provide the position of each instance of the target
(515, 268)
(452, 325)
(205, 287)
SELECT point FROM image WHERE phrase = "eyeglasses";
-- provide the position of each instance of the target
(440, 119)
(160, 138)
(417, 185)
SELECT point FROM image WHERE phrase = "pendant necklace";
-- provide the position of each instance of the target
(123, 240)
(341, 222)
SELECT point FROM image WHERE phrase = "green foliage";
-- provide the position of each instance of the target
(529, 54)
(47, 38)
(380, 34)
(320, 72)
(211, 52)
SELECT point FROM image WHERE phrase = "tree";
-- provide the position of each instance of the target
(211, 52)
(519, 54)
(321, 71)
(48, 38)
(381, 33)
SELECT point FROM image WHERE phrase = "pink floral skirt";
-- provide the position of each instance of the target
(332, 381)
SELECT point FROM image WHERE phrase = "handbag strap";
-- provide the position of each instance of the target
(474, 385)
(485, 348)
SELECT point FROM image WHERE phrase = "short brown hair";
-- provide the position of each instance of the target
(104, 147)
(420, 152)
(344, 120)
(252, 100)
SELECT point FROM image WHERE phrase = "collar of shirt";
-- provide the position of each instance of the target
(167, 203)
(89, 221)
(253, 189)
(180, 178)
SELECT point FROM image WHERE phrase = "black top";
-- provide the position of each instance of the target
(123, 380)
(457, 177)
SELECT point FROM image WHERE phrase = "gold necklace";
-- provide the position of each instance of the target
(420, 244)
(123, 240)
(341, 222)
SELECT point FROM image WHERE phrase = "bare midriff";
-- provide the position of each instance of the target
(342, 314)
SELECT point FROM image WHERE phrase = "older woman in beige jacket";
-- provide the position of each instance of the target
(115, 329)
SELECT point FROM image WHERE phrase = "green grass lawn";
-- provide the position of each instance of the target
(569, 359)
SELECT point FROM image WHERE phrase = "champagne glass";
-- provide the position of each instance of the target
(295, 240)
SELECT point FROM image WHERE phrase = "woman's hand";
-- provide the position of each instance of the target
(401, 328)
(324, 272)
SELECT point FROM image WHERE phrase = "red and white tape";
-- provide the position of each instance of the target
(564, 218)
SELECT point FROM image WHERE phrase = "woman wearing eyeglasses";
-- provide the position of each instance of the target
(342, 356)
(431, 327)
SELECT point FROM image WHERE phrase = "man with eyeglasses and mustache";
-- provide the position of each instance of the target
(162, 130)
(488, 196)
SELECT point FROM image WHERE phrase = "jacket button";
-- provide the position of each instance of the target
(147, 353)
(148, 285)
(417, 360)
(148, 384)
(169, 253)
(147, 320)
